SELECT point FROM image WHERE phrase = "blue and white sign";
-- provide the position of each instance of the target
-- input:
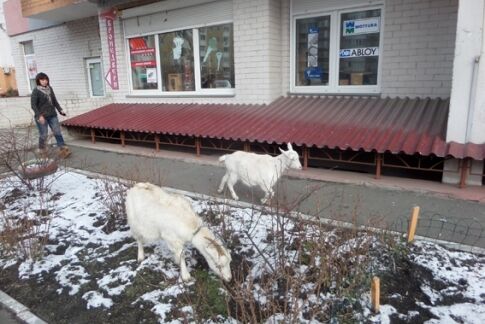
(361, 26)
(313, 73)
(359, 52)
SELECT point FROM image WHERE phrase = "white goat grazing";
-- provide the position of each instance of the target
(155, 214)
(261, 170)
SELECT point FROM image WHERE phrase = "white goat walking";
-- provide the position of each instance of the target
(155, 214)
(261, 170)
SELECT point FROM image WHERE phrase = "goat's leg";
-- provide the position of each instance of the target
(268, 193)
(231, 181)
(141, 252)
(223, 183)
(178, 250)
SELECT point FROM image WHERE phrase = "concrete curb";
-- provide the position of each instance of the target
(19, 310)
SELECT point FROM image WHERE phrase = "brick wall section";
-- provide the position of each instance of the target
(257, 51)
(418, 47)
(16, 111)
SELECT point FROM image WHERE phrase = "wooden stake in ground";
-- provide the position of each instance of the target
(413, 223)
(376, 294)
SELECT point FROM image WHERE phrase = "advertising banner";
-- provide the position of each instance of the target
(361, 26)
(112, 74)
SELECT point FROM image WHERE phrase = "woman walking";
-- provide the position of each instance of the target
(44, 104)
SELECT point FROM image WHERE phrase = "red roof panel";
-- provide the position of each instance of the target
(358, 123)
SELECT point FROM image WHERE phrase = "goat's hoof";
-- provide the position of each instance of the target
(219, 190)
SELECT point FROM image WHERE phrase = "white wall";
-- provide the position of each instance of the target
(467, 102)
(60, 52)
(6, 58)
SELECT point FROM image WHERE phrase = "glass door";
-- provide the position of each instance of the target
(95, 77)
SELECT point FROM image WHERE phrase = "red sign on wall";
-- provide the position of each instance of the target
(112, 74)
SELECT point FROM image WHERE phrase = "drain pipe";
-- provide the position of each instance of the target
(473, 93)
(477, 74)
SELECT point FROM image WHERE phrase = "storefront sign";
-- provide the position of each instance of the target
(112, 75)
(143, 63)
(359, 52)
(361, 26)
(142, 51)
(313, 73)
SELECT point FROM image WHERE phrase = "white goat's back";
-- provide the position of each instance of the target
(153, 214)
(252, 169)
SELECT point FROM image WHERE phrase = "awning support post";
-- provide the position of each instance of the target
(378, 165)
(197, 146)
(157, 142)
(305, 157)
(122, 136)
(247, 146)
(93, 137)
(464, 168)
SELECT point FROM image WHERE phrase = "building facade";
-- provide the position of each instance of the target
(255, 51)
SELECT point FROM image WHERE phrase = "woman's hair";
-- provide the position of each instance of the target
(41, 76)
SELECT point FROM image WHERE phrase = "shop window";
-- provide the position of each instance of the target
(143, 62)
(30, 63)
(216, 60)
(177, 61)
(312, 51)
(359, 48)
(337, 51)
(198, 60)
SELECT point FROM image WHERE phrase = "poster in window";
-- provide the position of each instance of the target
(312, 71)
(151, 75)
(31, 66)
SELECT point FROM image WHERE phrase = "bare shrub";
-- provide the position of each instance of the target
(302, 270)
(24, 236)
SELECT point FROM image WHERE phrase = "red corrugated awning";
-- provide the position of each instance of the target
(396, 125)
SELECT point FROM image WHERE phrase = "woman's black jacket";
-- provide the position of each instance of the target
(42, 106)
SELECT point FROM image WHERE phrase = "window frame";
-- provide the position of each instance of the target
(333, 86)
(199, 91)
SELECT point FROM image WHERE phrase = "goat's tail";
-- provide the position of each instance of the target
(222, 158)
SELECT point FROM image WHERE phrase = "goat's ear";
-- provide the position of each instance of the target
(290, 148)
(281, 150)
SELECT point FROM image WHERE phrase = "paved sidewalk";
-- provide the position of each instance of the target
(447, 212)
